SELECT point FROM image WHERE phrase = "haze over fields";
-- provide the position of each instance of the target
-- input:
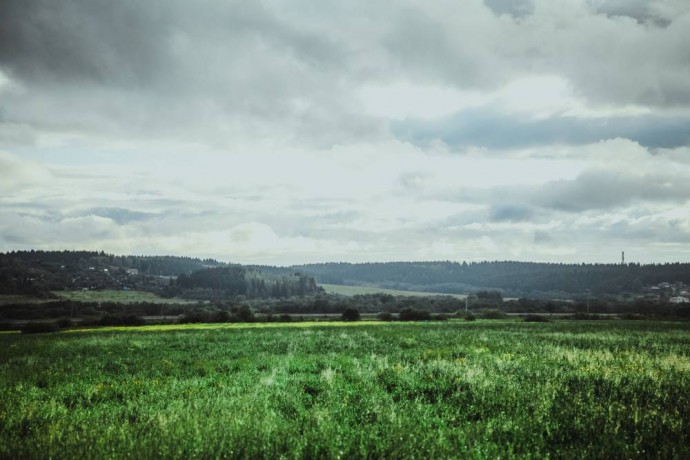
(292, 132)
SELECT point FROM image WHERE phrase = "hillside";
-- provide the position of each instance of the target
(516, 279)
(38, 273)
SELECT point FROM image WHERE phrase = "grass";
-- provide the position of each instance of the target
(217, 326)
(118, 297)
(349, 390)
(357, 290)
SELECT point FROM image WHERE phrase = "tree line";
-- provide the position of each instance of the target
(39, 272)
(229, 282)
(516, 279)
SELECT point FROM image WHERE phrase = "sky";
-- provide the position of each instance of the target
(292, 131)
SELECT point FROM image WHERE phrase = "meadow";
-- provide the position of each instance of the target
(482, 389)
(348, 290)
(118, 296)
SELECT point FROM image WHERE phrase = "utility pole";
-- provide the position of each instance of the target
(588, 292)
(466, 300)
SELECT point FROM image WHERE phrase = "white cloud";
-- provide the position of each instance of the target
(401, 100)
(17, 173)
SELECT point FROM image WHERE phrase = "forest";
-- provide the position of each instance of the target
(55, 290)
(39, 273)
(228, 282)
(96, 286)
(515, 279)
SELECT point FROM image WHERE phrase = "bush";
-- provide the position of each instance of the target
(64, 323)
(490, 295)
(585, 316)
(385, 316)
(244, 315)
(632, 316)
(536, 319)
(411, 314)
(466, 315)
(221, 316)
(351, 314)
(285, 318)
(491, 314)
(152, 309)
(120, 320)
(133, 320)
(195, 317)
(683, 312)
(440, 317)
(40, 328)
(89, 311)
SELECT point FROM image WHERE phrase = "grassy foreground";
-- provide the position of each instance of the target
(437, 390)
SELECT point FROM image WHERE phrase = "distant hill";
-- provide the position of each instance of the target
(38, 273)
(516, 279)
(148, 265)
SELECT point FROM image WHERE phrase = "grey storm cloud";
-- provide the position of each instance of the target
(637, 9)
(541, 237)
(510, 213)
(594, 190)
(610, 189)
(214, 70)
(130, 43)
(208, 70)
(656, 12)
(653, 12)
(493, 129)
(608, 58)
(99, 41)
(517, 8)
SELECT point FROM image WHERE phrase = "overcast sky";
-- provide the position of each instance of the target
(294, 131)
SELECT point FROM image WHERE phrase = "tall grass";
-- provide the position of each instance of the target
(437, 390)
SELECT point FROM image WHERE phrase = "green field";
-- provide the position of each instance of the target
(356, 290)
(483, 389)
(117, 297)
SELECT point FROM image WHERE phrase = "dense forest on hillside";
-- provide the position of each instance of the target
(147, 265)
(230, 292)
(224, 282)
(38, 273)
(516, 279)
